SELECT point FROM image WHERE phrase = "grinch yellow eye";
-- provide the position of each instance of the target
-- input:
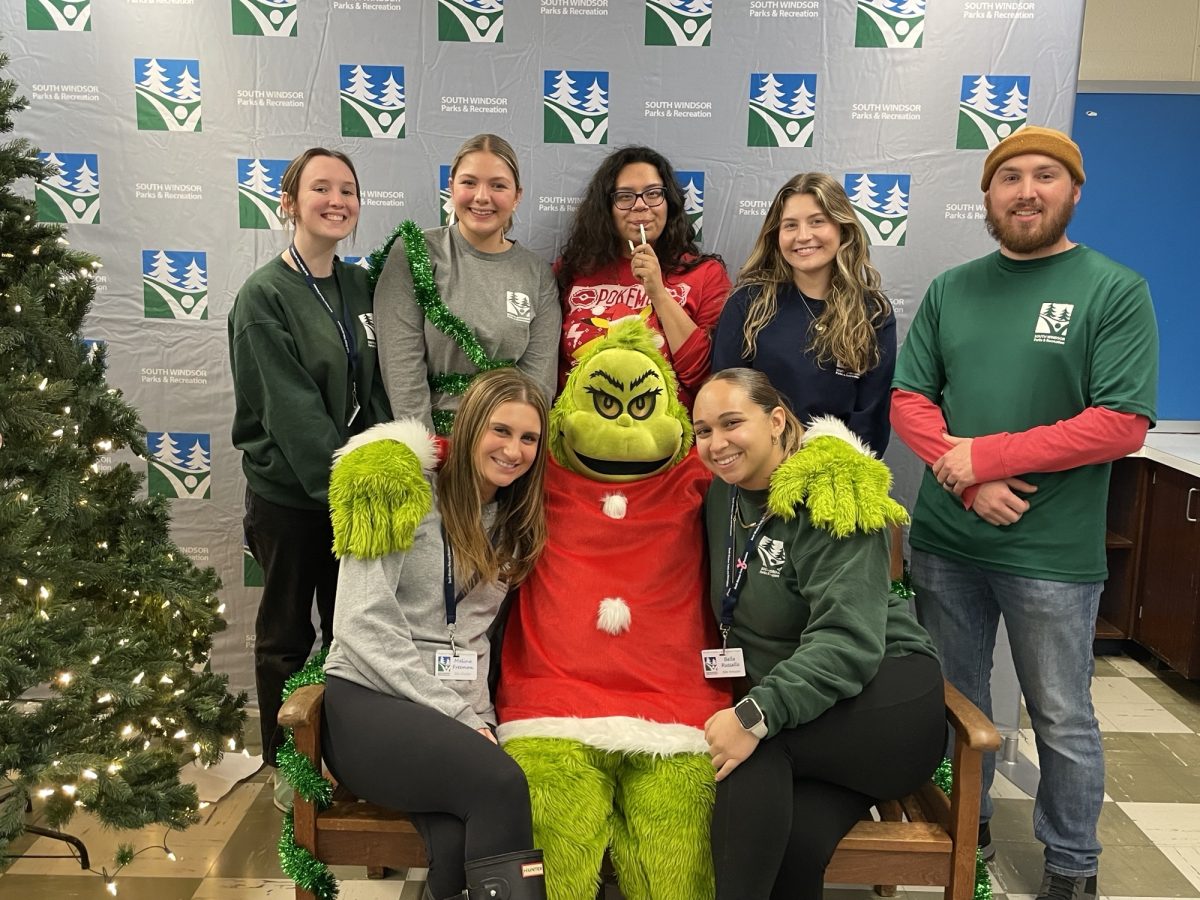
(606, 404)
(642, 406)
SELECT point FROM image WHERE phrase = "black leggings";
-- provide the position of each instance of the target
(293, 546)
(780, 814)
(466, 796)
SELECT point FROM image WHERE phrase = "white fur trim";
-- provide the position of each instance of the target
(613, 615)
(614, 505)
(832, 426)
(622, 734)
(410, 432)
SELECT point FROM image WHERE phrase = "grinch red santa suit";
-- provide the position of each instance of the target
(602, 697)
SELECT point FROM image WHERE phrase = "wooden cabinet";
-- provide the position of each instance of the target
(1168, 616)
(1128, 490)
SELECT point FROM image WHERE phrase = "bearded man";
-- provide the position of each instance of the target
(1024, 374)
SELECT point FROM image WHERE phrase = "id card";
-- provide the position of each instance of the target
(727, 663)
(463, 667)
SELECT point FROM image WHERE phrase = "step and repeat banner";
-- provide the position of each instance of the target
(171, 122)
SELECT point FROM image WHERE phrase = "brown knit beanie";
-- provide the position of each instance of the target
(1034, 139)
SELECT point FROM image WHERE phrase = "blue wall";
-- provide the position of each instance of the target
(1141, 206)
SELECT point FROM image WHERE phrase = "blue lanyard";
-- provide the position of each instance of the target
(735, 570)
(345, 326)
(451, 597)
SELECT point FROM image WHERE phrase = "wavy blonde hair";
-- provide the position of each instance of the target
(519, 531)
(856, 307)
(499, 148)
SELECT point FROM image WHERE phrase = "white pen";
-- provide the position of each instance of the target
(632, 249)
(642, 229)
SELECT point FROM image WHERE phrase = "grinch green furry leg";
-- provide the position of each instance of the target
(661, 844)
(571, 789)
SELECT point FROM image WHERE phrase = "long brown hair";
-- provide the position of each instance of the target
(845, 332)
(519, 531)
(593, 241)
(765, 396)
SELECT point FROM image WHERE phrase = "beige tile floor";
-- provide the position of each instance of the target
(1150, 825)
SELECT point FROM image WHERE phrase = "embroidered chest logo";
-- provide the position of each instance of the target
(368, 323)
(772, 556)
(519, 307)
(1052, 323)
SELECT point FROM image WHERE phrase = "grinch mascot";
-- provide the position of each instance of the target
(602, 697)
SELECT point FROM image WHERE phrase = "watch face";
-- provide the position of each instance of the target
(748, 713)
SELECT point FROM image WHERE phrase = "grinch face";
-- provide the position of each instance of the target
(621, 427)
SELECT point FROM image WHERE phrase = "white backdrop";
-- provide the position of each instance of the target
(172, 119)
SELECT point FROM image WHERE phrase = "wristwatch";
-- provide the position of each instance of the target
(750, 715)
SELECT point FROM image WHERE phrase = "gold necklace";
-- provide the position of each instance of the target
(753, 524)
(804, 298)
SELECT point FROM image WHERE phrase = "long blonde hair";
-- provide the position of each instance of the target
(519, 531)
(845, 332)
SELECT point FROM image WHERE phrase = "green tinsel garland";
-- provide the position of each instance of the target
(297, 863)
(431, 303)
(944, 779)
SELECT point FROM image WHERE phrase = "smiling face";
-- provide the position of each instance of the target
(1029, 204)
(809, 241)
(735, 438)
(325, 208)
(639, 177)
(508, 446)
(484, 194)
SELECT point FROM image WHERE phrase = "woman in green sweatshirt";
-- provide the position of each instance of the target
(825, 656)
(305, 378)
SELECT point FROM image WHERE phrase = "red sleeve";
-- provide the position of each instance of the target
(1096, 435)
(920, 424)
(693, 360)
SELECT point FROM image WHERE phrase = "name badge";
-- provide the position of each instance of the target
(727, 663)
(449, 667)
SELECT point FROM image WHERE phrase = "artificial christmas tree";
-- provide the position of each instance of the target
(96, 602)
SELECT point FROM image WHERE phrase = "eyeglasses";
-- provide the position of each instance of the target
(650, 196)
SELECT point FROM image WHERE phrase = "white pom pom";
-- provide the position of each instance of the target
(613, 616)
(614, 505)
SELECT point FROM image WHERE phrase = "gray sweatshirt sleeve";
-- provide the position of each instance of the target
(375, 638)
(540, 360)
(400, 330)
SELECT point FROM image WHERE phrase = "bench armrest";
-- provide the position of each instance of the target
(970, 725)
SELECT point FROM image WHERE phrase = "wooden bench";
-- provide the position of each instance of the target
(925, 839)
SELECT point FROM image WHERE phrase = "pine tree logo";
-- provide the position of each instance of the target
(990, 108)
(1052, 323)
(890, 23)
(881, 202)
(258, 193)
(692, 185)
(175, 284)
(678, 23)
(72, 197)
(575, 107)
(445, 203)
(168, 94)
(180, 465)
(93, 350)
(473, 21)
(783, 109)
(363, 262)
(264, 18)
(372, 101)
(58, 15)
(252, 572)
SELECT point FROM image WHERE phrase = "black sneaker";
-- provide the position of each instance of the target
(1067, 887)
(986, 848)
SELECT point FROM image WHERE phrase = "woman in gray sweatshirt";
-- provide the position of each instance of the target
(426, 562)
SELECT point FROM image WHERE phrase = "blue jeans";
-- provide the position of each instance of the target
(1050, 625)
